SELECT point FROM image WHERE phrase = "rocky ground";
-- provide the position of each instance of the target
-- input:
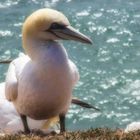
(92, 134)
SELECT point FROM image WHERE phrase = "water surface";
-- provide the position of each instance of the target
(109, 69)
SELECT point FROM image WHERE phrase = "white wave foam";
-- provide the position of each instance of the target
(5, 33)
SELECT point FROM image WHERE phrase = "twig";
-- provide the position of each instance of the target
(6, 61)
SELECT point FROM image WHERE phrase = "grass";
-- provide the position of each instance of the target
(92, 134)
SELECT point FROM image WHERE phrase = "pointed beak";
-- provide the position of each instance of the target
(69, 33)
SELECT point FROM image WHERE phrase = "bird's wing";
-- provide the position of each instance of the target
(75, 72)
(15, 68)
(11, 83)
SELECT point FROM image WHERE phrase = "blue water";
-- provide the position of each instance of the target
(109, 69)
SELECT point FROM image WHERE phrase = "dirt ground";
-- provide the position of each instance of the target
(92, 134)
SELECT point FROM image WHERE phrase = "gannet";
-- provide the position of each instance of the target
(40, 84)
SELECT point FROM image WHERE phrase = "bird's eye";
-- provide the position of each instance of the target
(55, 26)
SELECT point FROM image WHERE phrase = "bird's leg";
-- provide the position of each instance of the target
(25, 124)
(62, 123)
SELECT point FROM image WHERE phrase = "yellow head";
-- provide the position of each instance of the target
(47, 24)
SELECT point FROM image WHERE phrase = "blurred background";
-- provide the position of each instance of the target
(109, 69)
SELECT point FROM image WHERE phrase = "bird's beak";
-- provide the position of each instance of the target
(69, 33)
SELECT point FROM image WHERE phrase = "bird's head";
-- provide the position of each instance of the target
(47, 24)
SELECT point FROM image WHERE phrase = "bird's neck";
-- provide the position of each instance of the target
(46, 51)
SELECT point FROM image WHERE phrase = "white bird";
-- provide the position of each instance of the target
(40, 84)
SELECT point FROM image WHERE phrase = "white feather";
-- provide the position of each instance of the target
(132, 127)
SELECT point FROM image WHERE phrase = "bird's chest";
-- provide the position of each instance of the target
(45, 89)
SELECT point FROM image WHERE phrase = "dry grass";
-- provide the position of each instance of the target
(92, 134)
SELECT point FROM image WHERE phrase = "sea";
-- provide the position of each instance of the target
(109, 68)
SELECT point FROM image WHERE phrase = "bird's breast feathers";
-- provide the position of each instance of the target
(45, 89)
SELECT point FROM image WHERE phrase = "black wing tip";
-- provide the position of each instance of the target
(84, 104)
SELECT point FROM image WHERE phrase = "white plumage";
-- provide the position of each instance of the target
(40, 83)
(134, 126)
(40, 89)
